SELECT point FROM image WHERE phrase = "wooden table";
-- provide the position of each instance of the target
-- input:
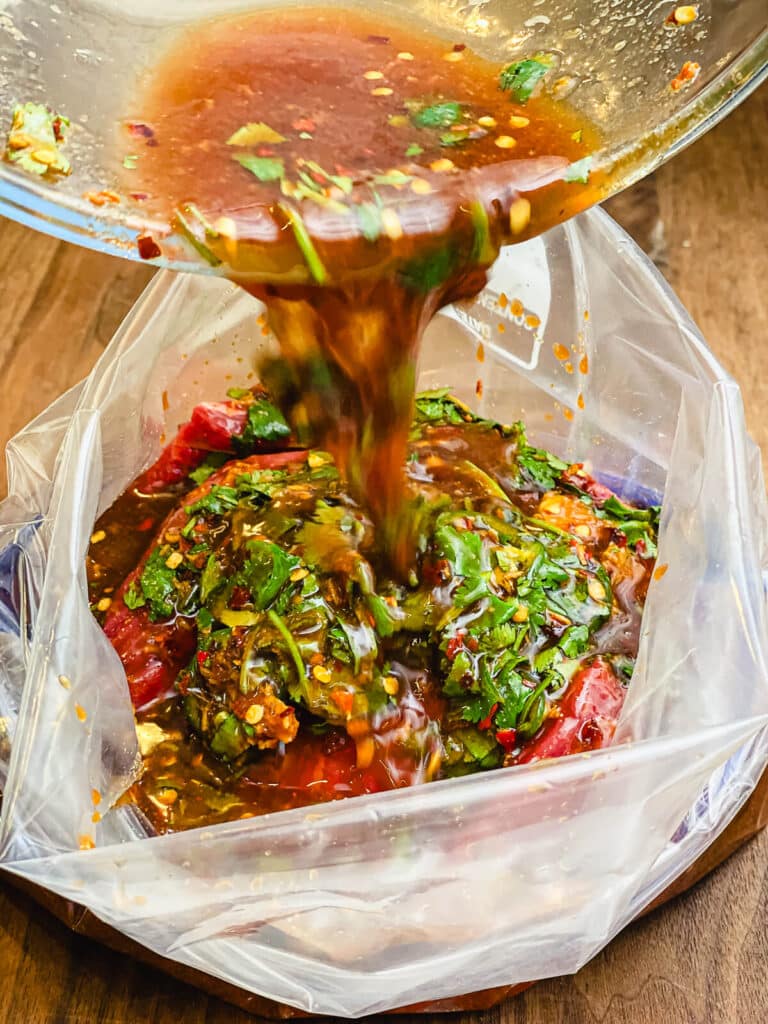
(703, 958)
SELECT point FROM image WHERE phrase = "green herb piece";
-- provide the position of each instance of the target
(265, 168)
(369, 218)
(306, 245)
(230, 739)
(522, 77)
(577, 135)
(158, 585)
(538, 467)
(293, 650)
(255, 133)
(204, 619)
(133, 598)
(217, 502)
(392, 178)
(239, 393)
(184, 217)
(265, 423)
(213, 461)
(454, 138)
(439, 407)
(212, 578)
(34, 140)
(414, 150)
(341, 181)
(483, 250)
(130, 161)
(266, 571)
(438, 115)
(579, 172)
(426, 273)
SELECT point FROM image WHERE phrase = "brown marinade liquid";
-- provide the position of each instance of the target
(355, 174)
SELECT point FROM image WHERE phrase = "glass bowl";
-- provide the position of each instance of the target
(616, 62)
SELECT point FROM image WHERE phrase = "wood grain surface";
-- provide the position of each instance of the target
(703, 959)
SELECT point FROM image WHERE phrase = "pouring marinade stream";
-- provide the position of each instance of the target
(356, 175)
(327, 586)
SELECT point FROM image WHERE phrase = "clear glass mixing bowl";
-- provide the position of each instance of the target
(616, 60)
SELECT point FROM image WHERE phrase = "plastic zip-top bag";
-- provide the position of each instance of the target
(362, 905)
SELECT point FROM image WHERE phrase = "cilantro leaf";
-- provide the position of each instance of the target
(133, 598)
(217, 502)
(158, 586)
(579, 171)
(213, 461)
(212, 578)
(426, 273)
(265, 572)
(414, 150)
(522, 77)
(265, 423)
(265, 168)
(438, 407)
(253, 133)
(369, 218)
(438, 115)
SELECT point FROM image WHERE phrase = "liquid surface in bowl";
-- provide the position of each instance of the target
(275, 661)
(356, 174)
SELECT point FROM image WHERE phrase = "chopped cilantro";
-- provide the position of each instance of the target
(212, 579)
(438, 115)
(158, 585)
(265, 168)
(522, 77)
(217, 502)
(213, 461)
(34, 140)
(579, 172)
(265, 423)
(369, 218)
(133, 597)
(254, 133)
(414, 150)
(426, 273)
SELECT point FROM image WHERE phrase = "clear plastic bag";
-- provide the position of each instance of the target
(364, 905)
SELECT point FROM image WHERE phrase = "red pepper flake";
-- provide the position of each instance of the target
(140, 130)
(473, 644)
(58, 129)
(454, 645)
(202, 657)
(265, 151)
(342, 699)
(486, 723)
(148, 247)
(479, 388)
(101, 198)
(165, 401)
(304, 124)
(146, 524)
(139, 197)
(639, 547)
(459, 47)
(507, 738)
(378, 40)
(688, 73)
